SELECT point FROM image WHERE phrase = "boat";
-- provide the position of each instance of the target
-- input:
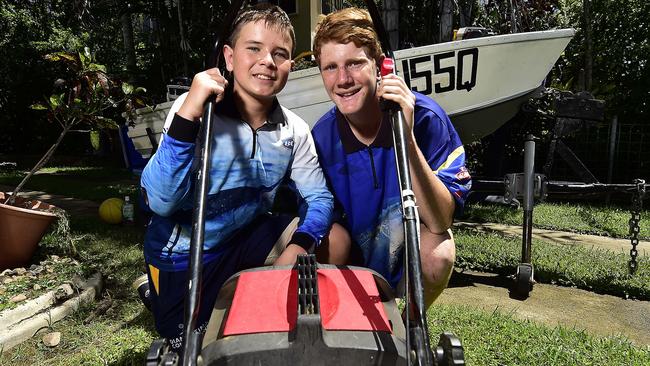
(480, 82)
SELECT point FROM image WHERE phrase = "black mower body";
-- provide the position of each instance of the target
(306, 340)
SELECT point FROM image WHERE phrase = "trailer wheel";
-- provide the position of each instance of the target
(524, 280)
(449, 351)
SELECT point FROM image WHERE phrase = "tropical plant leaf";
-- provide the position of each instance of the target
(59, 56)
(76, 89)
(56, 100)
(104, 122)
(85, 57)
(96, 67)
(38, 107)
(139, 102)
(103, 80)
(97, 87)
(127, 88)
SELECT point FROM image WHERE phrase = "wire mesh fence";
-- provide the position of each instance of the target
(615, 152)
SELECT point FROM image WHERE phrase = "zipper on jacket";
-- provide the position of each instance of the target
(372, 165)
(254, 131)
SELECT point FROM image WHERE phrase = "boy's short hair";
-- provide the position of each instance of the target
(345, 26)
(272, 15)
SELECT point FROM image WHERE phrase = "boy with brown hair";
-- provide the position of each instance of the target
(355, 148)
(256, 145)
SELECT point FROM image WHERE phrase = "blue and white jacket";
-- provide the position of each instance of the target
(247, 168)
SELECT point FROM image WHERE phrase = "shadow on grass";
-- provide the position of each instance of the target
(468, 279)
(95, 184)
(137, 356)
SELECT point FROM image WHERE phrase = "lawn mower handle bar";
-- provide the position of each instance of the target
(416, 330)
(192, 338)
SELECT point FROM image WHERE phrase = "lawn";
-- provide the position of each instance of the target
(90, 183)
(581, 218)
(121, 335)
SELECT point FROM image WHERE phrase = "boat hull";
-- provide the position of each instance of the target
(480, 83)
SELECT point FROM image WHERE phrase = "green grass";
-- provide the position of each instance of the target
(123, 334)
(91, 183)
(582, 218)
(496, 338)
(592, 269)
(489, 338)
(120, 337)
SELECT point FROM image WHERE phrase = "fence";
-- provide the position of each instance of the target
(620, 150)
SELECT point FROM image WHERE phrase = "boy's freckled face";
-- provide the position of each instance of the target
(349, 76)
(260, 60)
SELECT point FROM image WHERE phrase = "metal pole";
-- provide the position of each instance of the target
(417, 333)
(613, 132)
(529, 187)
(415, 288)
(192, 338)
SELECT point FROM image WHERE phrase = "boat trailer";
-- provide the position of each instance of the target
(570, 109)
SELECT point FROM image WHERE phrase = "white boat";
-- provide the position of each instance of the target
(479, 82)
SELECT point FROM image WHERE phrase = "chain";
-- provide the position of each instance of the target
(637, 202)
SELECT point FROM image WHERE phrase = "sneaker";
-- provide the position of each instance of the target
(141, 284)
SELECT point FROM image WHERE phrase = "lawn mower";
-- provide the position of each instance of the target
(310, 313)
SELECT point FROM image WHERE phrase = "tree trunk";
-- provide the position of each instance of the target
(129, 48)
(465, 10)
(588, 44)
(513, 17)
(184, 42)
(160, 43)
(390, 15)
(445, 33)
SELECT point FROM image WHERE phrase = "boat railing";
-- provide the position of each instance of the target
(174, 91)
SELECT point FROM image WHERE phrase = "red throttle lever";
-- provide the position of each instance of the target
(387, 66)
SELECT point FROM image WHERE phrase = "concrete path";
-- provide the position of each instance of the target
(553, 305)
(562, 237)
(72, 205)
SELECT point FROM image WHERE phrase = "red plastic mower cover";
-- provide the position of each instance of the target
(267, 301)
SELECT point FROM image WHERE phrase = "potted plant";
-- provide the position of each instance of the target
(82, 101)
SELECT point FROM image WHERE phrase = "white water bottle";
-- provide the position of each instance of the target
(128, 211)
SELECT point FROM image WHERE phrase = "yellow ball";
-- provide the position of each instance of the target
(110, 211)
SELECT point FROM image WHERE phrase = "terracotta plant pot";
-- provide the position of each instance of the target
(21, 229)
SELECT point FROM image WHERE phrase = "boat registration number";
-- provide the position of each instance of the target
(453, 70)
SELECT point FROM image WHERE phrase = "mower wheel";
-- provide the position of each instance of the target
(169, 359)
(524, 280)
(449, 351)
(160, 354)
